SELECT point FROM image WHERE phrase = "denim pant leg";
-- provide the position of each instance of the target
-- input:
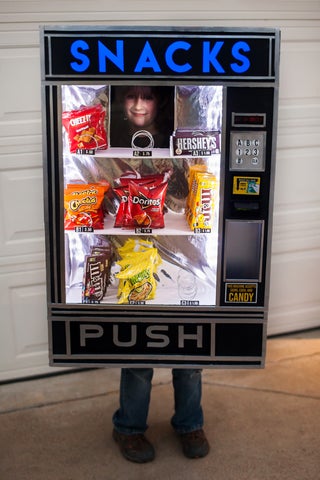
(187, 386)
(135, 391)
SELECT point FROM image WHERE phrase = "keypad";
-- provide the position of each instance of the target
(247, 150)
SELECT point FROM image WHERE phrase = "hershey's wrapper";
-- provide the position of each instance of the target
(195, 142)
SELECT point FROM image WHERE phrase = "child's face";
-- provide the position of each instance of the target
(141, 108)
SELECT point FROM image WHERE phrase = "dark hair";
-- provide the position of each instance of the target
(119, 128)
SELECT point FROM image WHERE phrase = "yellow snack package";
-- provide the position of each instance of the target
(134, 245)
(193, 170)
(202, 201)
(136, 279)
(137, 282)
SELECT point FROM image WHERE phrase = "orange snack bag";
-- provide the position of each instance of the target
(83, 205)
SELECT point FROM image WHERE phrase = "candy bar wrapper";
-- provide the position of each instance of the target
(106, 252)
(200, 212)
(195, 142)
(192, 183)
(193, 169)
(94, 280)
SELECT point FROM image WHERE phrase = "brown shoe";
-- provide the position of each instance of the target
(194, 444)
(134, 447)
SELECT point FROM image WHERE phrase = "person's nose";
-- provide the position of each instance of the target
(138, 103)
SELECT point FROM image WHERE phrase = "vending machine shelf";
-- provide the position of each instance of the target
(173, 285)
(174, 224)
(114, 152)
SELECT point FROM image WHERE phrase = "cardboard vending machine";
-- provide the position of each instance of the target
(159, 160)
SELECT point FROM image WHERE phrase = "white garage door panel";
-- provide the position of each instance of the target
(20, 105)
(21, 218)
(297, 65)
(28, 306)
(296, 171)
(295, 280)
(23, 325)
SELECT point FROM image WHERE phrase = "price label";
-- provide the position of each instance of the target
(143, 230)
(202, 230)
(83, 229)
(189, 303)
(142, 153)
(85, 151)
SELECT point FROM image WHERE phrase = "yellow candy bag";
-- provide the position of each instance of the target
(201, 202)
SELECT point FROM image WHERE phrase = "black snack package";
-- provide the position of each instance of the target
(94, 281)
(106, 252)
(195, 142)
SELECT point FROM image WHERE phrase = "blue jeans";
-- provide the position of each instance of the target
(135, 392)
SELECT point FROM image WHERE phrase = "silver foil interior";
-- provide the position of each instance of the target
(188, 269)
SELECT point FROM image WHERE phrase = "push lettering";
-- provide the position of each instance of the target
(155, 336)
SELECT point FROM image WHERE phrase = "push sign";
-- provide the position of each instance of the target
(161, 54)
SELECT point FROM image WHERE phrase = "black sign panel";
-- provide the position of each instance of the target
(201, 343)
(159, 54)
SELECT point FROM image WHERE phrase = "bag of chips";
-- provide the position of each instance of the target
(83, 205)
(141, 201)
(86, 128)
(136, 278)
(145, 205)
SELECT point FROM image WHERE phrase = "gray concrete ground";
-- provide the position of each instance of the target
(261, 424)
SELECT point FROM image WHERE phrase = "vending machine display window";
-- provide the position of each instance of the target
(141, 224)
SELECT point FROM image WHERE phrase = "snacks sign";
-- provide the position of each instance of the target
(114, 53)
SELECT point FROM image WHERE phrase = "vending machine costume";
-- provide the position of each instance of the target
(159, 160)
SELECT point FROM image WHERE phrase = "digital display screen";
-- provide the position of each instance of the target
(248, 119)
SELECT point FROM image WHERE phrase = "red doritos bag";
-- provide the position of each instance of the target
(145, 205)
(133, 206)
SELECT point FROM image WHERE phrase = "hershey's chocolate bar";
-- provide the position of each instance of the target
(195, 142)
